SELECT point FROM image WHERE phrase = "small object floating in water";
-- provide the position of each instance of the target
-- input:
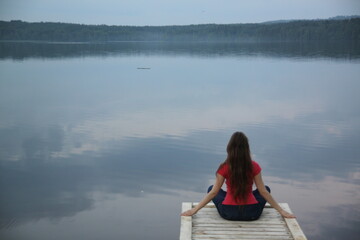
(207, 224)
(143, 68)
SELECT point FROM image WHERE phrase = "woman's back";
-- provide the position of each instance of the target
(230, 199)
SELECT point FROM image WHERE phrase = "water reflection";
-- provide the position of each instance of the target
(24, 50)
(165, 167)
(321, 205)
(96, 142)
(38, 186)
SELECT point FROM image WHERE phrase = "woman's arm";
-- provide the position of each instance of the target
(214, 191)
(261, 187)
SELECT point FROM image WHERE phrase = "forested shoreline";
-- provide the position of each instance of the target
(298, 31)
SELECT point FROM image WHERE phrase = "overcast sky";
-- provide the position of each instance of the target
(172, 12)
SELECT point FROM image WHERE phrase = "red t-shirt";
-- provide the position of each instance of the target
(229, 199)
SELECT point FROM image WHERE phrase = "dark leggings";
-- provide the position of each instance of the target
(239, 212)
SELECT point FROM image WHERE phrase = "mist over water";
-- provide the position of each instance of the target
(104, 141)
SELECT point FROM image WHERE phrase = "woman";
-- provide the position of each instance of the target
(239, 171)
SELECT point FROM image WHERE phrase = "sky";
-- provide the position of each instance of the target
(172, 12)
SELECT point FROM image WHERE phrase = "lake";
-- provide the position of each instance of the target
(105, 140)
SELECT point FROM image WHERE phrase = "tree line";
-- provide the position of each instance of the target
(299, 31)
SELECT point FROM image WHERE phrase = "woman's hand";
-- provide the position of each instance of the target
(189, 212)
(286, 214)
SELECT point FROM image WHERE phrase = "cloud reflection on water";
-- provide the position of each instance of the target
(102, 129)
(326, 208)
(142, 168)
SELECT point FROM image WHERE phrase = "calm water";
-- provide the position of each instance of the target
(91, 147)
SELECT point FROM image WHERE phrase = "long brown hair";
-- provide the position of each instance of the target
(240, 165)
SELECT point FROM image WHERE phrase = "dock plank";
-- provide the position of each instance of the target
(293, 225)
(208, 225)
(186, 223)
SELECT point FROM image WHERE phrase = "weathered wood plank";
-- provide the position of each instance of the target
(211, 211)
(230, 229)
(208, 214)
(217, 216)
(240, 237)
(208, 225)
(186, 223)
(293, 225)
(218, 221)
(273, 227)
(239, 233)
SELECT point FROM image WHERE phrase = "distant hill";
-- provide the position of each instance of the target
(336, 29)
(344, 17)
(332, 18)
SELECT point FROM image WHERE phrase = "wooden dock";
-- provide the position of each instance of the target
(208, 225)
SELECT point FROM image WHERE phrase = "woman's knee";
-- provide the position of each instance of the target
(209, 189)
